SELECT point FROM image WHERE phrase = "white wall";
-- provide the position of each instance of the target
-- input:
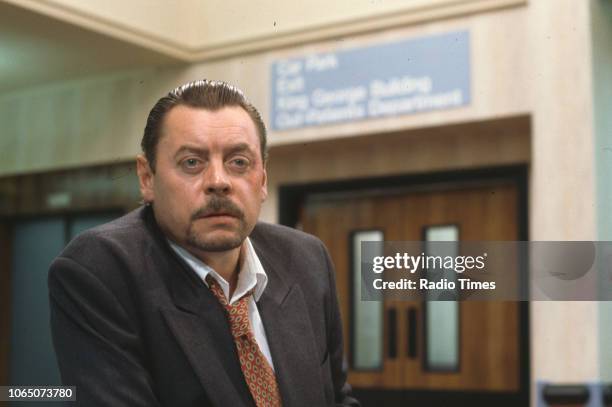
(562, 183)
(77, 123)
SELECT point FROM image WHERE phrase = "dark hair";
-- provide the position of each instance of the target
(205, 94)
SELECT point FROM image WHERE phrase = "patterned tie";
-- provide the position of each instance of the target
(257, 372)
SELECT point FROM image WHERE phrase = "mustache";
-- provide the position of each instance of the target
(218, 205)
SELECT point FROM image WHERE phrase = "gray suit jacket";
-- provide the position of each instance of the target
(133, 325)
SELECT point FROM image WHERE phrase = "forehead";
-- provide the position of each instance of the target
(196, 125)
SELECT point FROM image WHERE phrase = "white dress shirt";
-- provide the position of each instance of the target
(252, 276)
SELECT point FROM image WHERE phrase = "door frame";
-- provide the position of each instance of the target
(291, 198)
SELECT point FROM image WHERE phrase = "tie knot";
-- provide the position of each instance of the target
(238, 313)
(216, 290)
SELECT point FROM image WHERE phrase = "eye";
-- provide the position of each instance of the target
(191, 164)
(239, 162)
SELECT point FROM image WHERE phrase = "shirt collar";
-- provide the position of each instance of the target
(252, 275)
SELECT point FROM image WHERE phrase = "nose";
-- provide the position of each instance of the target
(216, 179)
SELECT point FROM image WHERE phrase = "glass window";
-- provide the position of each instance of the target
(367, 329)
(442, 317)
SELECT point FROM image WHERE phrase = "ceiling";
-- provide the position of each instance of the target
(36, 49)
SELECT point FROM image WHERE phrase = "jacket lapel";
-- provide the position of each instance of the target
(290, 338)
(201, 328)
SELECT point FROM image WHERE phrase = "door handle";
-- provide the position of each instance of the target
(411, 344)
(391, 333)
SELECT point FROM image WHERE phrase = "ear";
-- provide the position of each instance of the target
(145, 177)
(264, 185)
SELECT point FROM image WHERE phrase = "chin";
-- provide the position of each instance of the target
(216, 241)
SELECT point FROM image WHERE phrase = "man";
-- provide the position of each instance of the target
(188, 301)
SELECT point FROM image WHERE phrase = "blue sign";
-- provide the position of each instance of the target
(397, 78)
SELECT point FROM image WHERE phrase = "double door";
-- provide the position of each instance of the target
(423, 347)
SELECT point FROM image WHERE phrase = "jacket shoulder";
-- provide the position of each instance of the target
(130, 227)
(106, 249)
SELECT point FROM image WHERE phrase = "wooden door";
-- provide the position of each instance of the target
(487, 341)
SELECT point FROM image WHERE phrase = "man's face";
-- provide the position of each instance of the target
(209, 179)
